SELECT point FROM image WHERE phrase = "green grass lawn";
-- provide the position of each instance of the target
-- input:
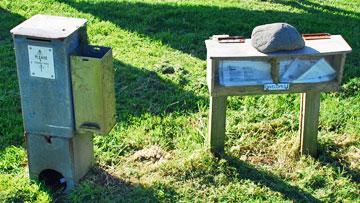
(156, 151)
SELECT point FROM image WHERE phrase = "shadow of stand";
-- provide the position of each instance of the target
(185, 27)
(327, 159)
(313, 7)
(10, 118)
(140, 91)
(246, 171)
(100, 186)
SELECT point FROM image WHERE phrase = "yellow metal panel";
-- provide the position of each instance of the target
(93, 90)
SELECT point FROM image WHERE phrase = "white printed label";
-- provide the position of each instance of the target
(41, 62)
(279, 86)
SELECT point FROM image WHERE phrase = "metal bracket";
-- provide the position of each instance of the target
(228, 39)
(314, 36)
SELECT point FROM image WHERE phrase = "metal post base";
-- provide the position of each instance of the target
(59, 162)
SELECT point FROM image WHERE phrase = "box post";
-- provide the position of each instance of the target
(339, 62)
(217, 123)
(309, 121)
(59, 154)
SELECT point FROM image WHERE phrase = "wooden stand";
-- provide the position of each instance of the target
(309, 121)
(217, 124)
(310, 92)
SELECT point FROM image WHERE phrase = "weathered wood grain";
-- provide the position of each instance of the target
(217, 122)
(309, 121)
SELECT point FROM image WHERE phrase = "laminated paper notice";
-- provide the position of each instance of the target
(241, 73)
(294, 69)
(41, 62)
(306, 71)
(321, 71)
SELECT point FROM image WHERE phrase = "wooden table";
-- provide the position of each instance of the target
(334, 50)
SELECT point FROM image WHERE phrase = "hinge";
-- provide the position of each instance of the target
(228, 39)
(314, 36)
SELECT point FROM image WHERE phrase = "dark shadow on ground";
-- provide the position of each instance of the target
(326, 158)
(100, 186)
(140, 91)
(186, 27)
(313, 7)
(246, 171)
(10, 109)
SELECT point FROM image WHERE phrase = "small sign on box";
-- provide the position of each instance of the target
(279, 86)
(41, 60)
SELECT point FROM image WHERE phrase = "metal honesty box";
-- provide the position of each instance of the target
(235, 67)
(59, 162)
(42, 46)
(58, 156)
(93, 90)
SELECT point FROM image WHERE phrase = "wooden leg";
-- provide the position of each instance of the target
(217, 119)
(309, 121)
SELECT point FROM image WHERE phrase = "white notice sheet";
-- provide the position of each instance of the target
(306, 71)
(321, 71)
(242, 73)
(295, 69)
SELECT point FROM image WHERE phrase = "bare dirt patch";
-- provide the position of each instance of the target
(153, 154)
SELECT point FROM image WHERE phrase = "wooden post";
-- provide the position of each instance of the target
(217, 120)
(339, 62)
(309, 121)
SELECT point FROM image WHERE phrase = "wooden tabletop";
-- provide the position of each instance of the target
(335, 45)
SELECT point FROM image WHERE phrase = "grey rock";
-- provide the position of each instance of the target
(276, 37)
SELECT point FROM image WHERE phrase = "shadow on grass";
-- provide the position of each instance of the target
(186, 27)
(140, 91)
(326, 158)
(313, 7)
(246, 171)
(10, 116)
(100, 186)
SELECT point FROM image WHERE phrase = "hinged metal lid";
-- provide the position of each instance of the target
(48, 27)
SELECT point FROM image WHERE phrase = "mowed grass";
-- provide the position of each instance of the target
(157, 151)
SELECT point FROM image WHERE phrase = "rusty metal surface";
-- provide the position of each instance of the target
(228, 39)
(314, 36)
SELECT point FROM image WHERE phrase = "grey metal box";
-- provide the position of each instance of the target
(71, 158)
(42, 46)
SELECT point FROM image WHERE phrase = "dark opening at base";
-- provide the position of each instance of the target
(53, 180)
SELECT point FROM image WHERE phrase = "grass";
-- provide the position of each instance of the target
(156, 153)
